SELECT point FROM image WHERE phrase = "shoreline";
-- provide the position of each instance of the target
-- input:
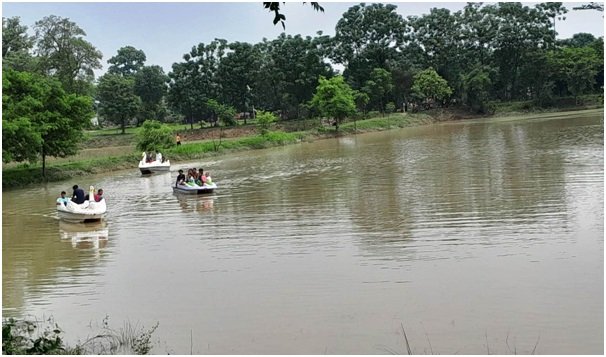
(25, 174)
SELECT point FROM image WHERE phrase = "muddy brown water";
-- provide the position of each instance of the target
(477, 237)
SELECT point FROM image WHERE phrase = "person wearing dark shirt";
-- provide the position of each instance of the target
(78, 196)
(180, 178)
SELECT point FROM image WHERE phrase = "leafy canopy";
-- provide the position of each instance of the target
(154, 136)
(39, 118)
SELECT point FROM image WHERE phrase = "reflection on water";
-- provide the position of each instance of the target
(195, 203)
(470, 233)
(85, 235)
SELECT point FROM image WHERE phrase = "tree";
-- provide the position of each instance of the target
(14, 37)
(221, 112)
(293, 67)
(334, 98)
(591, 6)
(367, 37)
(237, 72)
(430, 87)
(477, 85)
(151, 86)
(16, 46)
(40, 119)
(378, 87)
(154, 136)
(439, 33)
(118, 102)
(194, 82)
(65, 54)
(127, 62)
(577, 65)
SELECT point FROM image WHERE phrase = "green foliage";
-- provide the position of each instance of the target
(39, 119)
(577, 66)
(477, 85)
(390, 107)
(367, 37)
(65, 54)
(334, 99)
(154, 136)
(150, 86)
(118, 102)
(429, 85)
(127, 62)
(361, 100)
(222, 112)
(378, 87)
(264, 121)
(16, 44)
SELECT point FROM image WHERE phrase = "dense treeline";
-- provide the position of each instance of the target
(469, 59)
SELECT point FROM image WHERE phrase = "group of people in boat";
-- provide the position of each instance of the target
(150, 157)
(78, 196)
(195, 177)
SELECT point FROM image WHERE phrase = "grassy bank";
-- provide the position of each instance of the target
(119, 152)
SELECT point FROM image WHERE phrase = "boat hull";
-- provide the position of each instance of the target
(154, 166)
(151, 169)
(80, 217)
(198, 190)
(89, 211)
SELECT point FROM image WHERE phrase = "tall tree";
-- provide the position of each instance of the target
(367, 37)
(40, 119)
(127, 62)
(194, 82)
(65, 54)
(16, 45)
(151, 86)
(239, 74)
(118, 102)
(378, 87)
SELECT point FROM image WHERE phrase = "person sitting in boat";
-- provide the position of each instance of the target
(190, 181)
(202, 177)
(209, 180)
(159, 157)
(78, 195)
(62, 199)
(149, 158)
(180, 179)
(99, 195)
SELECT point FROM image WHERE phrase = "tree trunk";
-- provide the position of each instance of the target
(123, 126)
(43, 163)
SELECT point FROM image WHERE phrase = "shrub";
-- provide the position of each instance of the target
(154, 136)
(264, 121)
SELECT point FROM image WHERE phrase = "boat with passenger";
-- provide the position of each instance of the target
(194, 189)
(149, 164)
(88, 211)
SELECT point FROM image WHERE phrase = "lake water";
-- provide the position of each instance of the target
(475, 237)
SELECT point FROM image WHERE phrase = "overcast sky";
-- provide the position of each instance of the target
(167, 30)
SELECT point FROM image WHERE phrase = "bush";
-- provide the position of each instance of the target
(154, 136)
(264, 121)
(390, 107)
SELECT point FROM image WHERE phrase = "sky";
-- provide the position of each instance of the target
(165, 31)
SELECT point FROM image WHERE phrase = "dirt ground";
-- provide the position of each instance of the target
(213, 133)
